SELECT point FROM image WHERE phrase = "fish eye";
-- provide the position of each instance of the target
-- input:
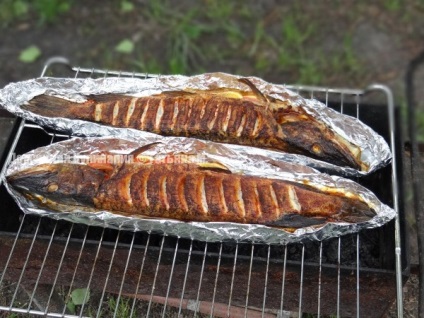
(316, 148)
(52, 187)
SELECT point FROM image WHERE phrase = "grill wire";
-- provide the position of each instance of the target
(129, 274)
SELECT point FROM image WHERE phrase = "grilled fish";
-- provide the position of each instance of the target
(221, 115)
(186, 192)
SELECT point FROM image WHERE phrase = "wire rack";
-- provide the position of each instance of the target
(59, 269)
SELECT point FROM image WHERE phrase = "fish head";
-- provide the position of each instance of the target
(355, 211)
(350, 210)
(58, 185)
(307, 136)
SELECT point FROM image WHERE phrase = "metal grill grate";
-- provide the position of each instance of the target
(44, 263)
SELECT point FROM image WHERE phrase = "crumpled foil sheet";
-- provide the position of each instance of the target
(79, 149)
(375, 151)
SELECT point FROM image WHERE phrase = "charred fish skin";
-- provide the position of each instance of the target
(205, 195)
(317, 140)
(229, 120)
(209, 117)
(187, 193)
(201, 115)
(68, 184)
(221, 115)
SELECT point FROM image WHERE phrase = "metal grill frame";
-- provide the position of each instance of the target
(196, 305)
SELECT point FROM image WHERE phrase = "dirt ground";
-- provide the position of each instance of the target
(326, 43)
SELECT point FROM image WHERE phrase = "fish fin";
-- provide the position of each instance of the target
(213, 166)
(104, 98)
(49, 106)
(295, 220)
(254, 89)
(178, 93)
(107, 168)
(221, 92)
(144, 148)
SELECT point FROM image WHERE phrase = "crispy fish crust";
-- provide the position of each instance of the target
(221, 115)
(188, 192)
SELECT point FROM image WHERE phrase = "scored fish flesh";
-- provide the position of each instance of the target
(221, 115)
(205, 192)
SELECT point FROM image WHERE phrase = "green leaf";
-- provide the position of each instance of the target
(30, 54)
(80, 296)
(20, 8)
(125, 46)
(71, 307)
(126, 6)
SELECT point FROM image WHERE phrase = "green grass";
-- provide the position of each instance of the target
(312, 65)
(46, 11)
(231, 35)
(292, 54)
(11, 10)
(221, 32)
(420, 126)
(49, 10)
(393, 5)
(121, 309)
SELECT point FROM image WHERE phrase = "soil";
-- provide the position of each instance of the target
(328, 43)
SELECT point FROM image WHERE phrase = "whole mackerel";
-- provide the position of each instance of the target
(221, 115)
(186, 192)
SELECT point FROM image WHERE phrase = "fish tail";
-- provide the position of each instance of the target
(50, 106)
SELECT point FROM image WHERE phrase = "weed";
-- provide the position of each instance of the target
(392, 5)
(221, 14)
(122, 309)
(183, 32)
(49, 10)
(294, 35)
(292, 55)
(310, 72)
(234, 36)
(220, 10)
(310, 65)
(157, 10)
(343, 62)
(349, 56)
(148, 65)
(262, 63)
(46, 10)
(259, 35)
(11, 10)
(420, 126)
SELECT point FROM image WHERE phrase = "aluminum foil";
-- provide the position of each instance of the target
(78, 150)
(375, 151)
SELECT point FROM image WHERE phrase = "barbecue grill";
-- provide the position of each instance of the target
(55, 268)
